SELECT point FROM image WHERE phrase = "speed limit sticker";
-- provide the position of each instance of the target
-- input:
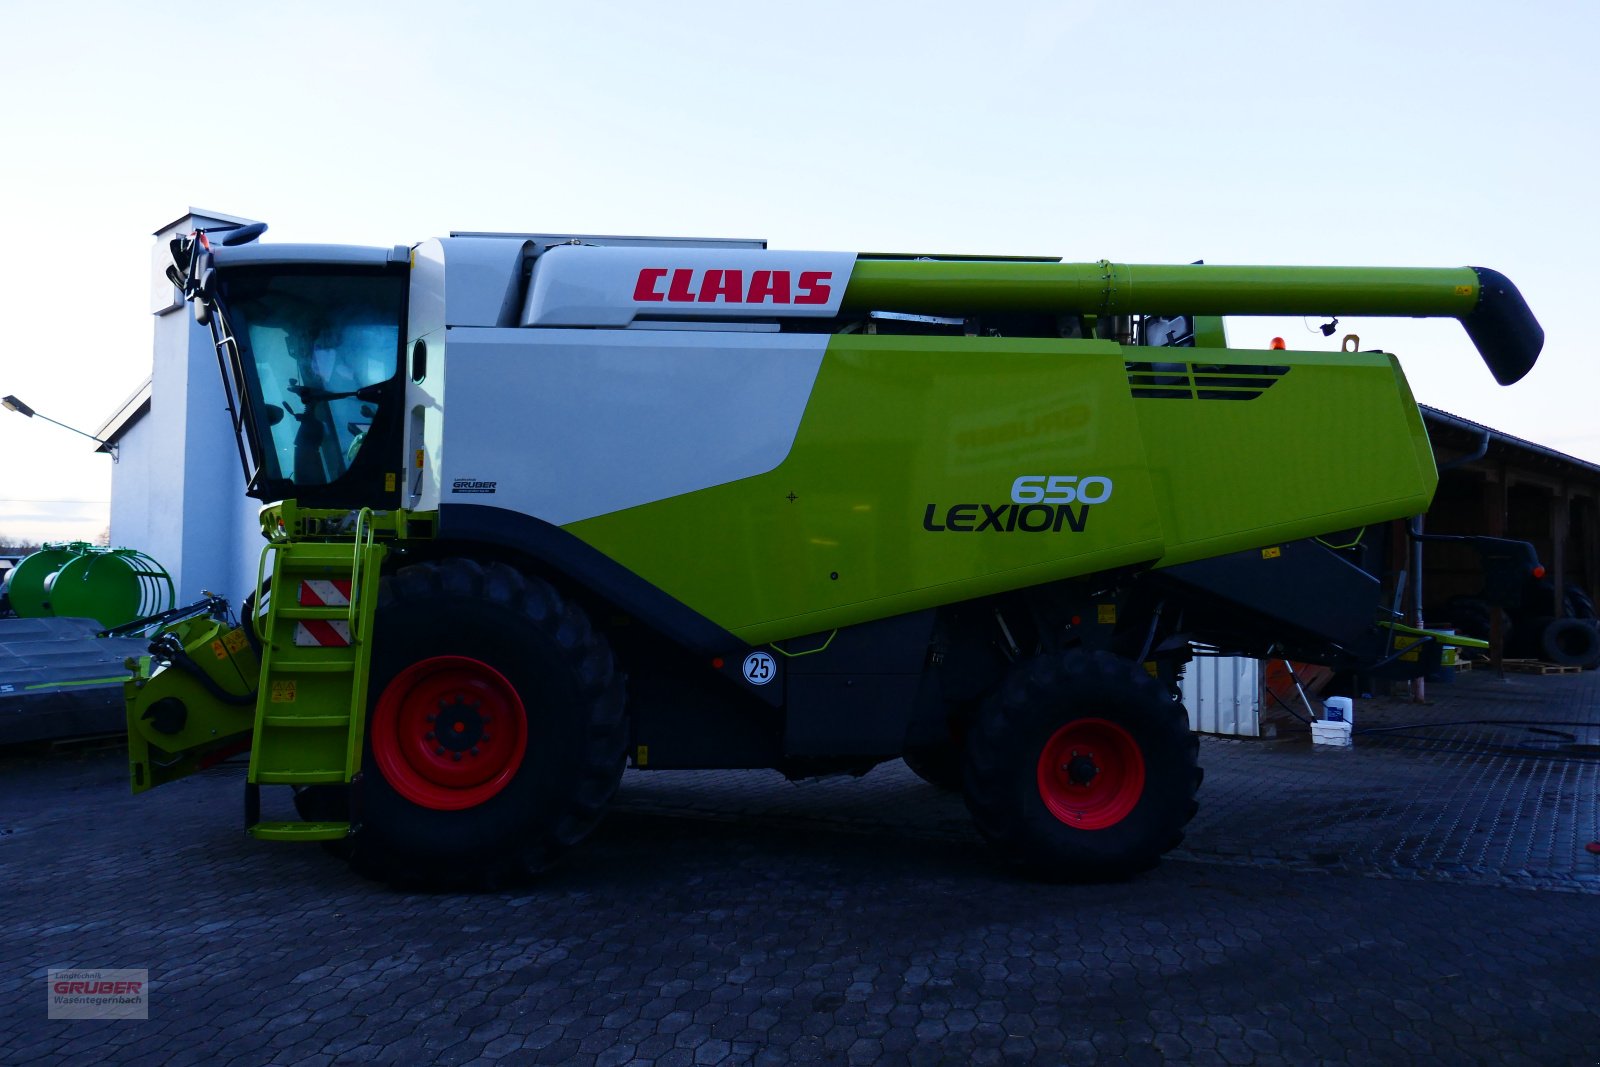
(759, 668)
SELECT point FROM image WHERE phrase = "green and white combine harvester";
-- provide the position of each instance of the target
(538, 507)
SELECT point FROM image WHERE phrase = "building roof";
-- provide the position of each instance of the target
(128, 412)
(1437, 419)
(200, 211)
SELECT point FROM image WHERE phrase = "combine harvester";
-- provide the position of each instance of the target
(540, 506)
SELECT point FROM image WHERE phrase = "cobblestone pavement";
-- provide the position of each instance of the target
(1424, 896)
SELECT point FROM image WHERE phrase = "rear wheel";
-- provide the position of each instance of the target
(1570, 642)
(1082, 767)
(495, 732)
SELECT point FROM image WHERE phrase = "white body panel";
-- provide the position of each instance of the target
(569, 424)
(586, 285)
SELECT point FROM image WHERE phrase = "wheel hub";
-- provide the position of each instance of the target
(1081, 769)
(458, 727)
(449, 732)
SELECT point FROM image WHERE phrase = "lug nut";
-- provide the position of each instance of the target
(439, 751)
(474, 751)
(456, 756)
(485, 737)
(428, 736)
(431, 718)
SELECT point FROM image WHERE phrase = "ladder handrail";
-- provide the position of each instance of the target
(365, 535)
(255, 604)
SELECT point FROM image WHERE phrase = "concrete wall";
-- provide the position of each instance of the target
(177, 489)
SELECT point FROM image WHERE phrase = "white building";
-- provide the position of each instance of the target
(177, 489)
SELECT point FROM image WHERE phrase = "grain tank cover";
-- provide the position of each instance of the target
(584, 285)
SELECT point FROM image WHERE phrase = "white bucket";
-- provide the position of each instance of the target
(1331, 733)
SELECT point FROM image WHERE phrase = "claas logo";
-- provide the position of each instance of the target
(684, 286)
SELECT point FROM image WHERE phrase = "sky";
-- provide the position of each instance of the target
(1383, 134)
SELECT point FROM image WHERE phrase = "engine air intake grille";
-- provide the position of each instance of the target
(1201, 381)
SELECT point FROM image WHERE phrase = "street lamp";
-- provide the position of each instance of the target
(11, 403)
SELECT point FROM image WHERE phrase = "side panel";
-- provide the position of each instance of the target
(1275, 446)
(897, 494)
(569, 424)
(778, 491)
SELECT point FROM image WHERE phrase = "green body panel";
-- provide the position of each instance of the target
(1334, 444)
(209, 725)
(896, 424)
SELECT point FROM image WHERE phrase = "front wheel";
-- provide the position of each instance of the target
(495, 732)
(1082, 767)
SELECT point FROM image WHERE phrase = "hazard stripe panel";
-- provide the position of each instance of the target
(322, 633)
(324, 593)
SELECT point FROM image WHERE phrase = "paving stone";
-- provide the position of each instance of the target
(1422, 897)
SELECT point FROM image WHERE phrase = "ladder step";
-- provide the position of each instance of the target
(313, 722)
(313, 556)
(300, 831)
(298, 777)
(337, 666)
(313, 613)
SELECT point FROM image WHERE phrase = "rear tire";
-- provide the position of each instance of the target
(495, 731)
(1571, 643)
(1082, 767)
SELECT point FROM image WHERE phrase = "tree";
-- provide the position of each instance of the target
(11, 546)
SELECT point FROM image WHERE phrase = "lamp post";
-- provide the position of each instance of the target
(11, 403)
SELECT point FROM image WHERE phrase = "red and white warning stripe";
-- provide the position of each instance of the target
(323, 633)
(324, 593)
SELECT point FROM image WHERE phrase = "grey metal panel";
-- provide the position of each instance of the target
(1223, 695)
(482, 283)
(575, 285)
(570, 424)
(547, 240)
(259, 254)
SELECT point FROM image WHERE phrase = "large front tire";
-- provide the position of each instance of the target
(1082, 767)
(495, 731)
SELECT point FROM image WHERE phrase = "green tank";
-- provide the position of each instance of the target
(76, 579)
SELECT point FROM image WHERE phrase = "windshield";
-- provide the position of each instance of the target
(315, 349)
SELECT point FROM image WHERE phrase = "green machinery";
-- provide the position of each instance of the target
(539, 506)
(75, 579)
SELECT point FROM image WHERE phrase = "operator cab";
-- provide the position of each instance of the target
(310, 339)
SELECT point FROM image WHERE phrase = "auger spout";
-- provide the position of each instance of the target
(1495, 315)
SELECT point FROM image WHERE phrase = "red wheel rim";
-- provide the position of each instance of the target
(449, 732)
(1091, 774)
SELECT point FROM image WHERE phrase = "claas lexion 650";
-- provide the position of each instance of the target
(539, 507)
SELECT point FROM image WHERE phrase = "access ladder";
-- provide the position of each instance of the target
(315, 655)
